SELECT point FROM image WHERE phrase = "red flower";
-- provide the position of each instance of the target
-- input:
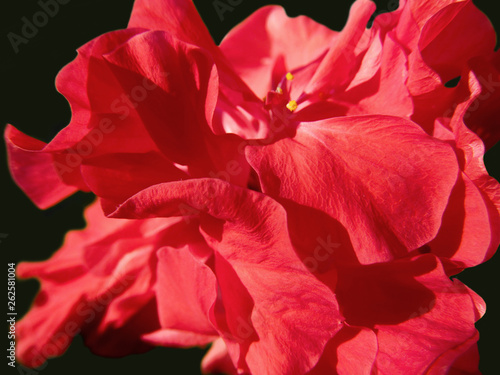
(350, 194)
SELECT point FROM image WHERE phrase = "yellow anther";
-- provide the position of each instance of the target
(279, 90)
(289, 76)
(292, 105)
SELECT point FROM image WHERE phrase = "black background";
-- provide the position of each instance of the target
(30, 102)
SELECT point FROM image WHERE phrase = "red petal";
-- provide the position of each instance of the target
(181, 20)
(352, 351)
(253, 251)
(483, 113)
(446, 44)
(217, 360)
(419, 315)
(386, 86)
(33, 170)
(267, 35)
(364, 172)
(100, 282)
(92, 120)
(186, 290)
(337, 67)
(468, 214)
(453, 36)
(91, 94)
(178, 17)
(178, 112)
(177, 338)
(462, 359)
(116, 177)
(185, 90)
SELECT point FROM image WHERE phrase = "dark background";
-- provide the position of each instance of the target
(31, 103)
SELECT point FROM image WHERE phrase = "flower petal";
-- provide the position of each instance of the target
(178, 17)
(292, 311)
(100, 282)
(177, 338)
(352, 351)
(336, 69)
(186, 290)
(374, 174)
(217, 360)
(178, 112)
(482, 114)
(453, 36)
(181, 20)
(268, 35)
(431, 318)
(28, 167)
(467, 213)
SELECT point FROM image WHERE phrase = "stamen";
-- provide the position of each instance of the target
(292, 105)
(279, 90)
(289, 76)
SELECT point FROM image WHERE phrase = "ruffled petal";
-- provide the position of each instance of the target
(482, 116)
(178, 112)
(269, 35)
(454, 35)
(352, 351)
(339, 65)
(186, 290)
(177, 338)
(245, 116)
(217, 360)
(467, 213)
(34, 171)
(179, 18)
(100, 282)
(422, 319)
(374, 174)
(272, 304)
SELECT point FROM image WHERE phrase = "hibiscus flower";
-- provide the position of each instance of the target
(299, 204)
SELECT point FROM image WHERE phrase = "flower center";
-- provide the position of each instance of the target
(281, 106)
